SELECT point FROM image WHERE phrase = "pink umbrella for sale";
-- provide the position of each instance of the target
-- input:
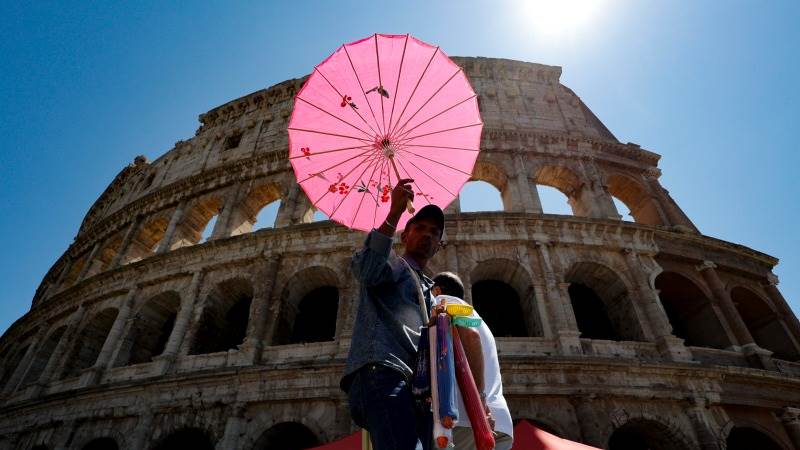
(377, 110)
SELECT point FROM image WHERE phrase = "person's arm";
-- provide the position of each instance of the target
(471, 341)
(370, 264)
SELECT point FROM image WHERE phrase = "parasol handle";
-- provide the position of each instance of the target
(409, 203)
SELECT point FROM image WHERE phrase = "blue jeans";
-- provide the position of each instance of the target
(380, 402)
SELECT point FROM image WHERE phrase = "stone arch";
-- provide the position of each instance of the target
(690, 311)
(195, 219)
(243, 219)
(567, 182)
(101, 443)
(502, 293)
(602, 303)
(146, 240)
(309, 306)
(109, 250)
(150, 331)
(764, 323)
(226, 312)
(11, 364)
(647, 434)
(491, 173)
(190, 437)
(75, 271)
(748, 438)
(89, 342)
(641, 205)
(286, 436)
(43, 355)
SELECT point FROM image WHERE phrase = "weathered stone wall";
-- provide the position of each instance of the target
(698, 341)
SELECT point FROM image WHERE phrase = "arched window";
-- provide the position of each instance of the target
(267, 216)
(151, 328)
(744, 438)
(111, 247)
(224, 321)
(319, 216)
(309, 306)
(89, 342)
(503, 296)
(764, 324)
(633, 200)
(197, 222)
(145, 243)
(480, 196)
(12, 364)
(641, 434)
(556, 184)
(601, 303)
(286, 436)
(43, 355)
(553, 201)
(690, 312)
(623, 210)
(189, 438)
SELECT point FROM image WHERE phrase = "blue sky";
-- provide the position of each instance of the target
(711, 86)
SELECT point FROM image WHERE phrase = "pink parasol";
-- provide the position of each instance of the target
(379, 109)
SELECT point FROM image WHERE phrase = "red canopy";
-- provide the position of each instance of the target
(529, 437)
(526, 437)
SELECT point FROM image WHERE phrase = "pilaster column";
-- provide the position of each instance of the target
(57, 358)
(143, 430)
(454, 207)
(126, 242)
(112, 340)
(596, 192)
(263, 282)
(67, 269)
(528, 195)
(348, 307)
(774, 294)
(740, 331)
(233, 428)
(466, 276)
(675, 216)
(288, 213)
(546, 314)
(178, 335)
(222, 228)
(88, 264)
(702, 422)
(588, 420)
(564, 325)
(177, 215)
(20, 370)
(791, 422)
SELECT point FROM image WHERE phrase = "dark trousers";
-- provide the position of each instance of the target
(380, 402)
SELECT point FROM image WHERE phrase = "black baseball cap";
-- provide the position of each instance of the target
(429, 212)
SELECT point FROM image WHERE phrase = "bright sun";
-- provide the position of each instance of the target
(559, 17)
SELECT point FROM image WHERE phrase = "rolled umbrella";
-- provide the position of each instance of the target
(445, 372)
(441, 435)
(484, 440)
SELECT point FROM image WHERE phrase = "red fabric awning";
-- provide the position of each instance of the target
(526, 437)
(529, 437)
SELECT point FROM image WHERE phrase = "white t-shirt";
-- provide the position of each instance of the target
(493, 384)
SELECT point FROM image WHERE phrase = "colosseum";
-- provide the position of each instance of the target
(624, 334)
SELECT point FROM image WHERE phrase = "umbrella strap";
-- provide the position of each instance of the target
(423, 309)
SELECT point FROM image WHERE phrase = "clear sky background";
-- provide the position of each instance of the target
(711, 86)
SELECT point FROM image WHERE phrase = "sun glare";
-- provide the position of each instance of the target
(559, 17)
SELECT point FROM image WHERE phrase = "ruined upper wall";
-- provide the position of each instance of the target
(513, 96)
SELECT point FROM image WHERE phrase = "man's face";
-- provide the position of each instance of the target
(422, 238)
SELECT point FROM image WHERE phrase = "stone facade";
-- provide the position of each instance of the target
(141, 335)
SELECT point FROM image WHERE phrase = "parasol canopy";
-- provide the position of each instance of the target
(383, 107)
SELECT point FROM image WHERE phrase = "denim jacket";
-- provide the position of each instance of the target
(388, 321)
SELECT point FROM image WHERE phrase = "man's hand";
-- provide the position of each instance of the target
(401, 194)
